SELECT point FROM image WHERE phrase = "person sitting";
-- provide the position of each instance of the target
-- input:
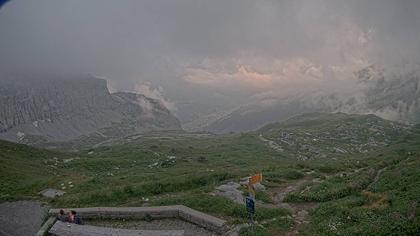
(76, 218)
(61, 216)
(71, 217)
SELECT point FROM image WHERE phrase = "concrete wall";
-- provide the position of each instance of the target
(176, 211)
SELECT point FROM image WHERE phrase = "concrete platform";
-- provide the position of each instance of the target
(21, 217)
(66, 229)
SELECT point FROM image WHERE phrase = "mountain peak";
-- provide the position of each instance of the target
(62, 109)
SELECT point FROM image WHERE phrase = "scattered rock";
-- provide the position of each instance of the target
(153, 165)
(259, 187)
(317, 180)
(244, 181)
(52, 193)
(310, 172)
(230, 191)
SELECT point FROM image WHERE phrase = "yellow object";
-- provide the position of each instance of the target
(255, 178)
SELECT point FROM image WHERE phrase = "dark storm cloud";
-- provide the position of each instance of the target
(161, 43)
(126, 35)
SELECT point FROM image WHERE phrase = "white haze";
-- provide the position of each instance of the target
(200, 57)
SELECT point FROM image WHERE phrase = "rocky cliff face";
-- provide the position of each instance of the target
(54, 109)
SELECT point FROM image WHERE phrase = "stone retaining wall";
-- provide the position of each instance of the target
(177, 211)
(123, 212)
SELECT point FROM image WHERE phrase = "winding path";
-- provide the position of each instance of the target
(376, 179)
(300, 211)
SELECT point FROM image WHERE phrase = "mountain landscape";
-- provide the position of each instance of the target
(210, 118)
(50, 109)
(394, 96)
(324, 174)
(334, 160)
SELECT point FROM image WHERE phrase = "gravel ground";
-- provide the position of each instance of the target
(162, 224)
(21, 218)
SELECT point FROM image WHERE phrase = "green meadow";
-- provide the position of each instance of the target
(361, 174)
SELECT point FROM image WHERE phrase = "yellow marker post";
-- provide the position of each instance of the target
(257, 178)
(254, 179)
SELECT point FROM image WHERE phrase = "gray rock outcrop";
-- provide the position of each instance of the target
(57, 109)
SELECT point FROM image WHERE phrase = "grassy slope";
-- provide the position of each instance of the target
(143, 172)
(23, 170)
(359, 205)
(317, 135)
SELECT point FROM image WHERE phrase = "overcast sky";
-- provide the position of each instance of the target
(218, 49)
